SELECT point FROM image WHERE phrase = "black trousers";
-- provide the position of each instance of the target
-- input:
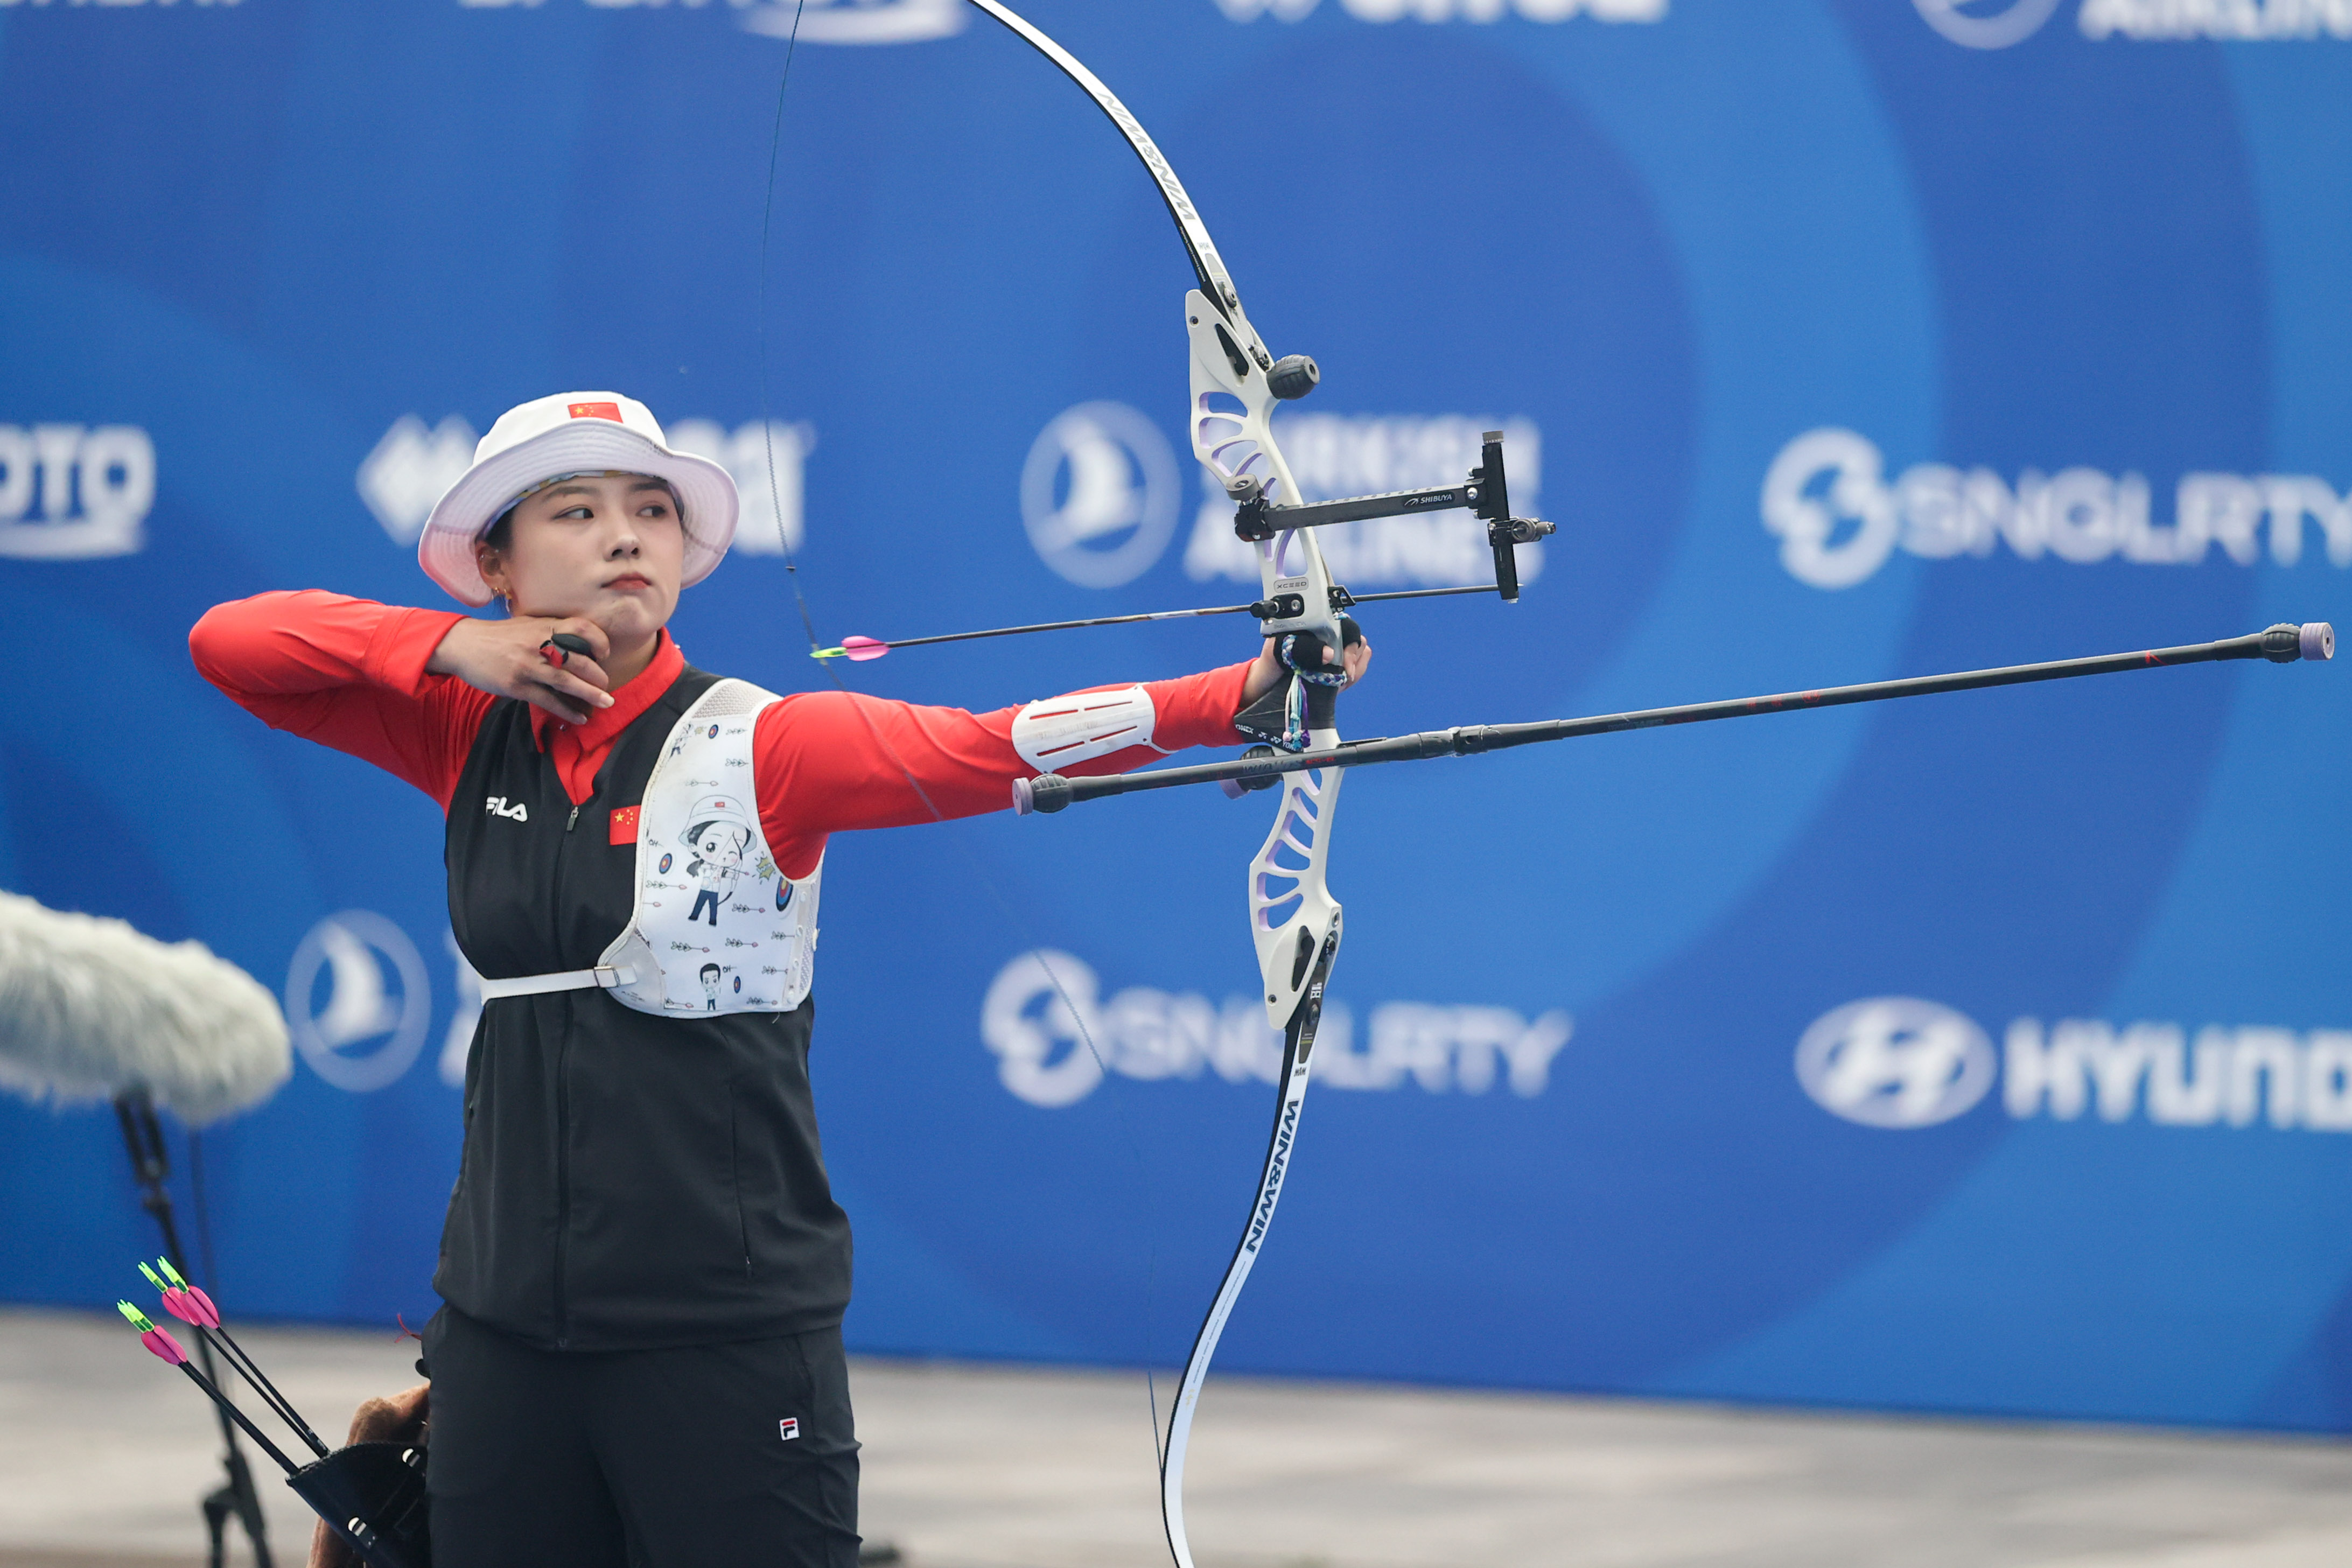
(668, 1459)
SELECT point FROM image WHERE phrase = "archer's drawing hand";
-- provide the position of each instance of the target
(505, 659)
(1267, 672)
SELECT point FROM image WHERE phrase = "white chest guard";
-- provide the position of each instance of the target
(717, 928)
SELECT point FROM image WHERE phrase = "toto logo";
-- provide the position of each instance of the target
(1987, 23)
(1098, 494)
(1896, 1061)
(337, 999)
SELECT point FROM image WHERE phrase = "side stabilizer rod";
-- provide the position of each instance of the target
(2282, 644)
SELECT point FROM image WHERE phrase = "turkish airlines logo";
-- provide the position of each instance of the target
(357, 1002)
(1098, 495)
(1987, 23)
(69, 492)
(1998, 24)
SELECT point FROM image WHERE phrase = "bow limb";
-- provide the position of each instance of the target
(1295, 923)
(1293, 920)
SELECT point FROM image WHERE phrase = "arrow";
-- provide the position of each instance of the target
(193, 1307)
(860, 649)
(161, 1343)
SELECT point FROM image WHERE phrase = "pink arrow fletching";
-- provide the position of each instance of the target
(860, 649)
(191, 1305)
(160, 1341)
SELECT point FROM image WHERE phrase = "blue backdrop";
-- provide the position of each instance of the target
(1985, 1054)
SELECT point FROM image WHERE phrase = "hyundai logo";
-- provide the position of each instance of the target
(1896, 1061)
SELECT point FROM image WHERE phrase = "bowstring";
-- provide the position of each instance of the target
(808, 627)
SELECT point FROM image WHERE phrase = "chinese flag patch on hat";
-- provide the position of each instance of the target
(594, 411)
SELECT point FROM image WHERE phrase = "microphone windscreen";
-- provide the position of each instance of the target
(90, 1008)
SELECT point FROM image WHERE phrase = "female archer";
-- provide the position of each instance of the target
(639, 1360)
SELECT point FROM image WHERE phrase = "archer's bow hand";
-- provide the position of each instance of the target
(1274, 654)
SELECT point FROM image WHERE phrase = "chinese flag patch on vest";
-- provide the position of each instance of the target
(624, 825)
(594, 411)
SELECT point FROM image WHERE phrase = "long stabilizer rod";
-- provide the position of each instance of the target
(2282, 644)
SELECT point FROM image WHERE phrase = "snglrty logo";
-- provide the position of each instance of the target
(1839, 517)
(1054, 1035)
(1896, 1061)
(1098, 494)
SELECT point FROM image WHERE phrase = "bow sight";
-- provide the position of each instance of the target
(1487, 493)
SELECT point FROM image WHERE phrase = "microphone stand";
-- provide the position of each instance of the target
(142, 1135)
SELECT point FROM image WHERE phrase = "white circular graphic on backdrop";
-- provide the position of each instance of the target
(1987, 23)
(359, 950)
(1896, 1061)
(1098, 494)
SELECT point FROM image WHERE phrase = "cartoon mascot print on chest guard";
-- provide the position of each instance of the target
(717, 839)
(717, 928)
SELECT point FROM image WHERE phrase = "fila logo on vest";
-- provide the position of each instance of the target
(496, 806)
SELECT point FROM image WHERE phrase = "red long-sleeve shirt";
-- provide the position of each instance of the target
(350, 673)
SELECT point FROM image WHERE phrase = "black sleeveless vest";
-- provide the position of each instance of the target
(628, 1181)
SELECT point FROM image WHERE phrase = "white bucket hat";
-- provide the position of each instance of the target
(553, 438)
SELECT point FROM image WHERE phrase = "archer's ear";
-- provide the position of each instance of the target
(492, 564)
